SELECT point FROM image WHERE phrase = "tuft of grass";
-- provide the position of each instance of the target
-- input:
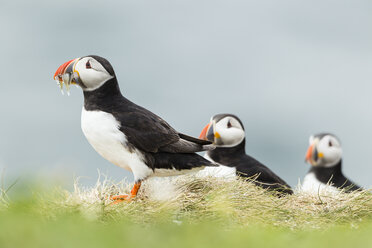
(191, 200)
(185, 212)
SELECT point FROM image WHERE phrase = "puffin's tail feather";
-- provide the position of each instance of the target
(194, 140)
(209, 147)
(186, 146)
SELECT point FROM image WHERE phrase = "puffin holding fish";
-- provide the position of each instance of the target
(124, 133)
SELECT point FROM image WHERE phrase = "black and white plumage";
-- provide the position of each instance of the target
(325, 157)
(124, 133)
(227, 133)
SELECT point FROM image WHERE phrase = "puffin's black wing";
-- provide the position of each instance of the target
(150, 133)
(178, 161)
(345, 184)
(333, 175)
(265, 177)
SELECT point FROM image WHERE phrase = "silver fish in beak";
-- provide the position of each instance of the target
(67, 75)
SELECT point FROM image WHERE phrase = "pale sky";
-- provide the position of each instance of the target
(286, 68)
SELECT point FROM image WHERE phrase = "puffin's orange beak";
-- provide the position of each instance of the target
(66, 74)
(61, 70)
(309, 153)
(203, 134)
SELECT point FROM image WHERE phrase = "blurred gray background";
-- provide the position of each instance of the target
(287, 68)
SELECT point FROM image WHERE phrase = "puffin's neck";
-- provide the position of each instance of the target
(327, 173)
(228, 155)
(104, 95)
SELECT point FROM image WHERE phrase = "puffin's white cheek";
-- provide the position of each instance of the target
(333, 156)
(93, 79)
(231, 136)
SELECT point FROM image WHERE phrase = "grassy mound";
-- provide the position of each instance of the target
(188, 211)
(195, 200)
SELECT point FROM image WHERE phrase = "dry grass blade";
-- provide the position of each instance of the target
(233, 203)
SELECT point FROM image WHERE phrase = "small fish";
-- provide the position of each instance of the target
(65, 76)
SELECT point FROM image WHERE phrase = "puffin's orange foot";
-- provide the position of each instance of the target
(120, 198)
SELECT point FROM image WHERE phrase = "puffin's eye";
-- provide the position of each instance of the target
(87, 65)
(229, 124)
(330, 144)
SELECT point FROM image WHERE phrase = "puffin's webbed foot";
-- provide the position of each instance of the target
(120, 198)
(133, 193)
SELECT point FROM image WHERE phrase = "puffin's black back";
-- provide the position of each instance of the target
(334, 176)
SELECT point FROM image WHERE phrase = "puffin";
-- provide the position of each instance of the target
(227, 132)
(124, 133)
(325, 157)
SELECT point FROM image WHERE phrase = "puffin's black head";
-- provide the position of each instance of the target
(324, 150)
(89, 72)
(224, 130)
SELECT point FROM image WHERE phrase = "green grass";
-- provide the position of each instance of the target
(192, 213)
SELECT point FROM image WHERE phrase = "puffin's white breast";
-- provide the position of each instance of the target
(102, 131)
(221, 171)
(312, 185)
